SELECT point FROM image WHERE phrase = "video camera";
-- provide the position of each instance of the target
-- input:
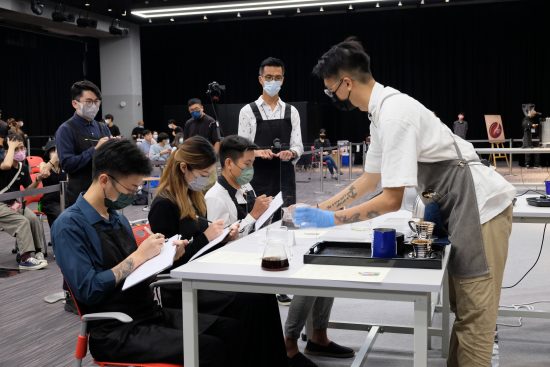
(215, 90)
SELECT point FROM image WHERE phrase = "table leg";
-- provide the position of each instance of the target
(190, 325)
(429, 319)
(445, 317)
(421, 331)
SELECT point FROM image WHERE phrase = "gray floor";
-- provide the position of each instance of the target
(34, 333)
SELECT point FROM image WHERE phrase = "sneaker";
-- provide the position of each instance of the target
(332, 350)
(40, 257)
(283, 299)
(32, 264)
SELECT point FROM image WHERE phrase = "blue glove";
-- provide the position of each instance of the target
(313, 217)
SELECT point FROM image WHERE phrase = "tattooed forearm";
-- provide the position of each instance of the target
(350, 194)
(345, 219)
(123, 269)
(372, 214)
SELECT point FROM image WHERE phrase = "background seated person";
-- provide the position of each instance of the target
(232, 198)
(161, 151)
(96, 250)
(15, 218)
(325, 143)
(180, 208)
(50, 203)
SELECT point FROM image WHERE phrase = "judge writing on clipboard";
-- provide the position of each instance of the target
(96, 250)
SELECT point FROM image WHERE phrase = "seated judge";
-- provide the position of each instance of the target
(232, 198)
(179, 208)
(96, 250)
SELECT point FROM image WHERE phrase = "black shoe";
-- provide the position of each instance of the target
(300, 360)
(283, 299)
(331, 350)
(70, 305)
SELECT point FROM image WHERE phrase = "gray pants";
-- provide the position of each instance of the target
(300, 307)
(25, 226)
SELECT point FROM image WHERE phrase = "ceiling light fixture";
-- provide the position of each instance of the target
(377, 5)
(298, 10)
(59, 14)
(117, 29)
(109, 10)
(150, 21)
(37, 7)
(269, 12)
(171, 19)
(321, 9)
(205, 17)
(241, 7)
(350, 7)
(400, 4)
(421, 2)
(124, 13)
(87, 4)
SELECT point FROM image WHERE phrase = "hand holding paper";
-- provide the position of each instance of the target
(212, 243)
(276, 203)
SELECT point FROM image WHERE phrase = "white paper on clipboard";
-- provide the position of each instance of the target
(212, 243)
(276, 203)
(154, 265)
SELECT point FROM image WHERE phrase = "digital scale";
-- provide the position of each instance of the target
(542, 201)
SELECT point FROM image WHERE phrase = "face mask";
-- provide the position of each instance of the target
(166, 142)
(181, 141)
(199, 183)
(196, 115)
(88, 112)
(20, 123)
(20, 155)
(108, 121)
(155, 136)
(121, 202)
(273, 87)
(322, 136)
(342, 105)
(246, 176)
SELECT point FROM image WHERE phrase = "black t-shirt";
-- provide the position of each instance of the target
(23, 179)
(53, 179)
(205, 127)
(115, 131)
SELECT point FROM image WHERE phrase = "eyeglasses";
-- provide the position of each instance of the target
(269, 78)
(129, 191)
(330, 93)
(90, 102)
(198, 109)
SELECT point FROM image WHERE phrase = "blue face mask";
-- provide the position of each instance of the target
(196, 114)
(273, 87)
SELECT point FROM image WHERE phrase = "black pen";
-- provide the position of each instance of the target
(203, 218)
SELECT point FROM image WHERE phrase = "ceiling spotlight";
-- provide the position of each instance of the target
(84, 22)
(321, 9)
(109, 10)
(377, 5)
(446, 1)
(269, 12)
(87, 4)
(421, 2)
(150, 20)
(124, 14)
(238, 15)
(171, 19)
(298, 10)
(59, 14)
(400, 4)
(37, 7)
(205, 17)
(116, 29)
(146, 2)
(350, 7)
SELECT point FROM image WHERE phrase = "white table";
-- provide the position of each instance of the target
(404, 285)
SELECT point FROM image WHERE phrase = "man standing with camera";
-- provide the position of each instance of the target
(201, 124)
(274, 126)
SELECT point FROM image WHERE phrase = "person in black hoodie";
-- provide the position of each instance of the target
(180, 208)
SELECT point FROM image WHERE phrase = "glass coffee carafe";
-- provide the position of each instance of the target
(275, 257)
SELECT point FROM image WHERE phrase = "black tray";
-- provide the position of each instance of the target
(359, 254)
(539, 201)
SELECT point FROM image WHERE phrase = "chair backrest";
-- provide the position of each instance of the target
(34, 198)
(140, 232)
(34, 163)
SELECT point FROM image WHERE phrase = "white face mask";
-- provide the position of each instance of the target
(155, 136)
(273, 87)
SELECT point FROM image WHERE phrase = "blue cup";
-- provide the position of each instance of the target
(384, 244)
(547, 184)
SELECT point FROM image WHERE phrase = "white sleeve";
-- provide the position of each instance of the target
(247, 123)
(216, 209)
(246, 225)
(296, 135)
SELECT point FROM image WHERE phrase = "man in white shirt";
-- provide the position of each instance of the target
(232, 198)
(274, 126)
(410, 147)
(147, 142)
(160, 151)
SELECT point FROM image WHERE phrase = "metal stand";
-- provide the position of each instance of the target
(349, 160)
(321, 188)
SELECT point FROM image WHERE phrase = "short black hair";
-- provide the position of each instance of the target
(13, 137)
(120, 158)
(233, 147)
(347, 56)
(163, 136)
(83, 85)
(193, 101)
(145, 132)
(322, 131)
(171, 121)
(272, 61)
(110, 117)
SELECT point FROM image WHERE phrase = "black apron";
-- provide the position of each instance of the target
(272, 176)
(449, 185)
(80, 180)
(242, 209)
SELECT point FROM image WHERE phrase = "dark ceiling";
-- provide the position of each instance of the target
(119, 7)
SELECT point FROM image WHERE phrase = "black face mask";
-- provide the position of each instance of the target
(342, 105)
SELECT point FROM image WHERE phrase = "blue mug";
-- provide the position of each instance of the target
(384, 244)
(547, 183)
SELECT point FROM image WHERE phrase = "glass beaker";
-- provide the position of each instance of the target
(275, 257)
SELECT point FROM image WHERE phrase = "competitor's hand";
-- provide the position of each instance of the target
(313, 217)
